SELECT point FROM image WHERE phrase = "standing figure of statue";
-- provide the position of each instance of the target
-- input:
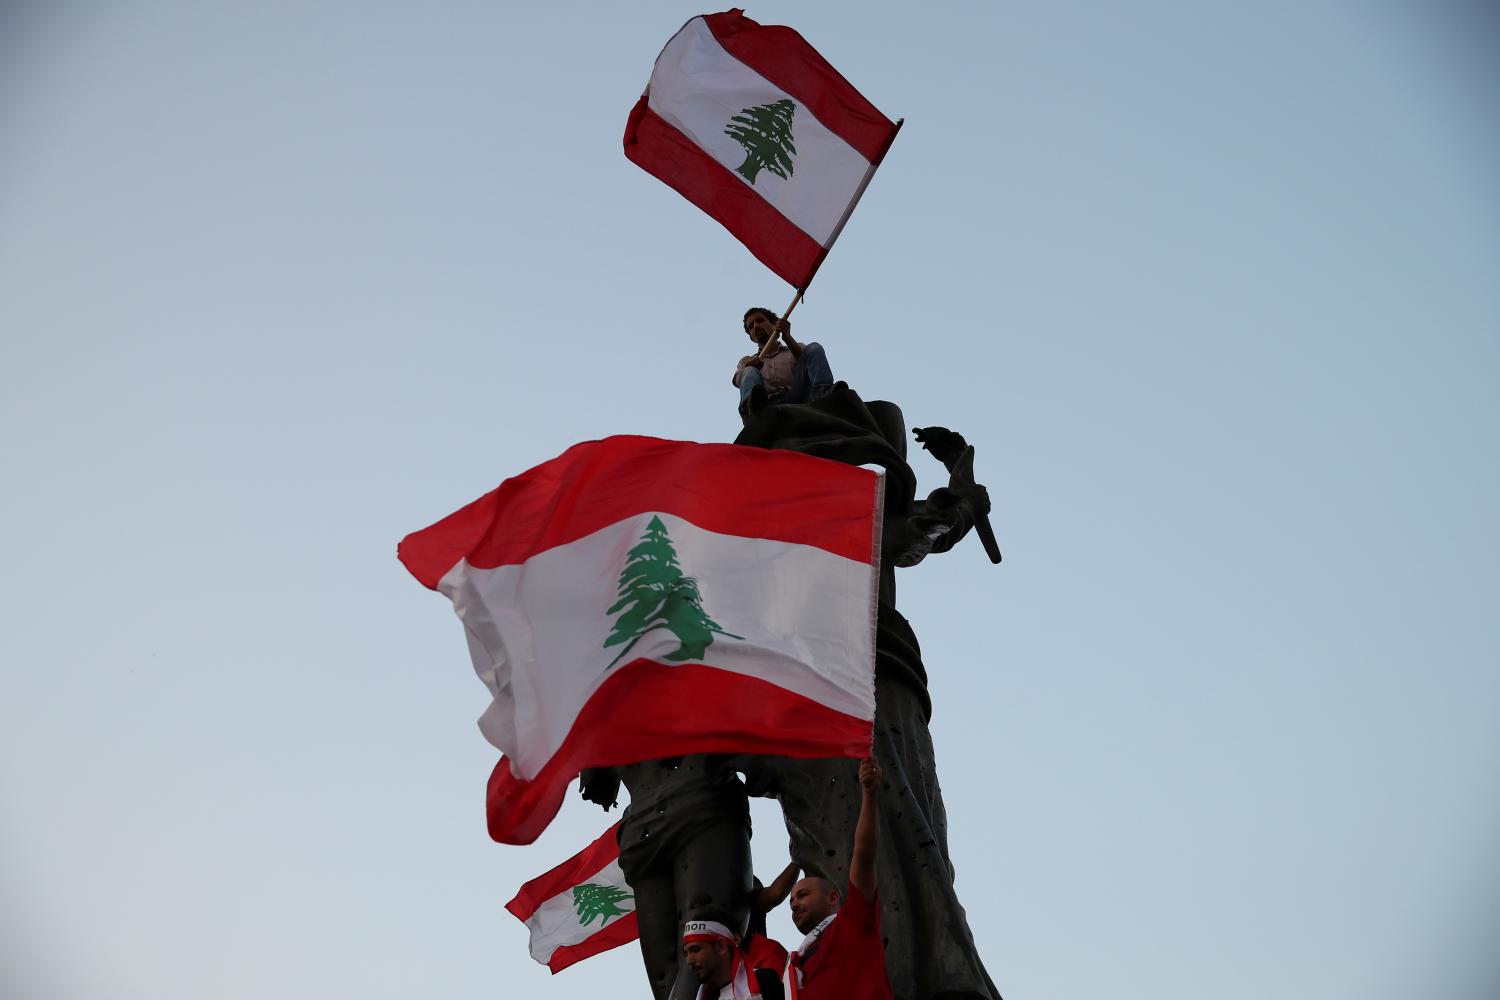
(684, 849)
(930, 950)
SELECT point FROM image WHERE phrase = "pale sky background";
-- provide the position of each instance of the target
(1214, 288)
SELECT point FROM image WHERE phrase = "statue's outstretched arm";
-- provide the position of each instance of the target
(949, 513)
(968, 500)
(945, 517)
(942, 444)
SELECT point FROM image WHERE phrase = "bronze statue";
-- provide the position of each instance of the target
(685, 836)
(930, 951)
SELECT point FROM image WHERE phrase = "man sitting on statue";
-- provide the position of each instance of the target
(842, 957)
(797, 373)
(723, 970)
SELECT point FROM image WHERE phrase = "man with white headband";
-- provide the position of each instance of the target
(712, 952)
(843, 957)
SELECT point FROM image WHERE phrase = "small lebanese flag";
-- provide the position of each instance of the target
(636, 598)
(580, 908)
(752, 125)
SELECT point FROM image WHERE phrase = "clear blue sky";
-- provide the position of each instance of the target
(1212, 287)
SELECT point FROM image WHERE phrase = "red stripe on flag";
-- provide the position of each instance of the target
(638, 714)
(678, 162)
(729, 489)
(622, 931)
(579, 868)
(783, 56)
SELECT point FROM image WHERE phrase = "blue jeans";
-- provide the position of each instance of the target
(810, 372)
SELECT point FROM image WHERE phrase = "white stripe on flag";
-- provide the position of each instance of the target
(537, 630)
(698, 87)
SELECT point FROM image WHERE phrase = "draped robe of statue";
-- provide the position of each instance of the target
(929, 949)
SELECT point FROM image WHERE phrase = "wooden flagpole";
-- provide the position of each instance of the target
(858, 194)
(774, 337)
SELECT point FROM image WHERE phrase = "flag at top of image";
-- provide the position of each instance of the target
(635, 598)
(752, 125)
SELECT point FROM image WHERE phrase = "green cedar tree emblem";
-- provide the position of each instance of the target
(766, 133)
(592, 900)
(654, 594)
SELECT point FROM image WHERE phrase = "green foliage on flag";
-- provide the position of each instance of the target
(653, 593)
(594, 901)
(766, 133)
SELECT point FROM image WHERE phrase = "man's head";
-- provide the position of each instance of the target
(760, 323)
(813, 901)
(708, 947)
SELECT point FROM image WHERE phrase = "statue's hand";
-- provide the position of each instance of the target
(600, 785)
(929, 521)
(937, 523)
(946, 446)
(958, 456)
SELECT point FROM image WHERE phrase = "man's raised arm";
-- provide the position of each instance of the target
(776, 893)
(866, 831)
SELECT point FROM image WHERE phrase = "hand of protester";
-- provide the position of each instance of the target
(869, 774)
(784, 331)
(755, 362)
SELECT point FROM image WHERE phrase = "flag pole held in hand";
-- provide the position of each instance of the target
(776, 335)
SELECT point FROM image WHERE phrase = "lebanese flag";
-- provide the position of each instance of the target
(636, 598)
(580, 908)
(752, 125)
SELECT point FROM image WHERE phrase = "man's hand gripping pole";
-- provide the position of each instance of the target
(776, 336)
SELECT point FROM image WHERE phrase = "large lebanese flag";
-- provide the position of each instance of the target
(636, 598)
(580, 908)
(713, 111)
